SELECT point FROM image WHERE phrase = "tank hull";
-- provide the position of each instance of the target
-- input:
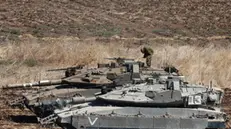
(139, 118)
(107, 122)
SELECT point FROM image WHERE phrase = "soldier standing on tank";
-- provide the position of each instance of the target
(70, 72)
(148, 52)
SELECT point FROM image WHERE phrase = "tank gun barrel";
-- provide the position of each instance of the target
(119, 58)
(39, 83)
(63, 102)
(75, 67)
(76, 100)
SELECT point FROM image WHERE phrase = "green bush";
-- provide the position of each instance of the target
(31, 62)
(108, 32)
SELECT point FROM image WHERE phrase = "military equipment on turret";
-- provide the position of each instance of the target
(123, 62)
(120, 60)
(171, 69)
(69, 71)
(154, 104)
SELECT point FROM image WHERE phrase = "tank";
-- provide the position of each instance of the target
(86, 83)
(56, 94)
(84, 77)
(87, 78)
(105, 74)
(48, 90)
(155, 104)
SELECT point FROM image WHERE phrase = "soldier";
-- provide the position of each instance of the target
(70, 72)
(148, 52)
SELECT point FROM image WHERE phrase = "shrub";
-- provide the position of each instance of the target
(31, 62)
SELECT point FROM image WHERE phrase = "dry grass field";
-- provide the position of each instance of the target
(28, 59)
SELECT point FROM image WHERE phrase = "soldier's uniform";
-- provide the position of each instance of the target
(148, 52)
(70, 72)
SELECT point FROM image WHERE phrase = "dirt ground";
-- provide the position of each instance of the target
(106, 18)
(14, 118)
(227, 104)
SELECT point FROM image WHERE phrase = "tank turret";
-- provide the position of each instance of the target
(172, 93)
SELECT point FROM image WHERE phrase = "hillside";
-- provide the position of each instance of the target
(105, 18)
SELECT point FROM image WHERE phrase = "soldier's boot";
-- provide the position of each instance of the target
(149, 61)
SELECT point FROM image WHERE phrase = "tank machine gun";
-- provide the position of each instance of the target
(69, 71)
(60, 69)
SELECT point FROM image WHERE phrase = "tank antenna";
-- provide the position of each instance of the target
(211, 84)
(200, 73)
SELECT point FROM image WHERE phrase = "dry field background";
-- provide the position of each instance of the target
(28, 59)
(193, 35)
(105, 18)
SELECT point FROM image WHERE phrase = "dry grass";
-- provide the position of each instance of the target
(199, 64)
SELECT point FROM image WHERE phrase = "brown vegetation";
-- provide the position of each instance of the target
(11, 118)
(206, 63)
(105, 18)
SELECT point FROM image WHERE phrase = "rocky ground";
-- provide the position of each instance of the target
(226, 105)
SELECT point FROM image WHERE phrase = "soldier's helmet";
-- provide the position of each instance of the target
(147, 50)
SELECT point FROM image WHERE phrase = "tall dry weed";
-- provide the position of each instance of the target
(199, 64)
